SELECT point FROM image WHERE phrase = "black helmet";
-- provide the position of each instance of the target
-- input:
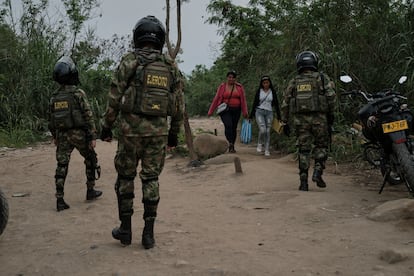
(65, 71)
(149, 29)
(308, 60)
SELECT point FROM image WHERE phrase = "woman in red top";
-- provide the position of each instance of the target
(232, 93)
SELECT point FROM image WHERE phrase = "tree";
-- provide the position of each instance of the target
(173, 51)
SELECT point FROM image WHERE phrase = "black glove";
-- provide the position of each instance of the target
(106, 134)
(330, 118)
(172, 140)
(286, 130)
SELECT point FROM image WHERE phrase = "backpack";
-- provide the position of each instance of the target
(308, 96)
(151, 92)
(65, 111)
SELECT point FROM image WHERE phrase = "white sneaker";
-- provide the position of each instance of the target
(267, 153)
(259, 148)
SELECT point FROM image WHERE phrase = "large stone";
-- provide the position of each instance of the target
(208, 145)
(393, 210)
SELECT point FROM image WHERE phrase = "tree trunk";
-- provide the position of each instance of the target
(189, 137)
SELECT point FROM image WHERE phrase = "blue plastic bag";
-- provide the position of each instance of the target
(246, 132)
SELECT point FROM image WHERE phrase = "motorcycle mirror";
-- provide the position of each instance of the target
(345, 79)
(402, 79)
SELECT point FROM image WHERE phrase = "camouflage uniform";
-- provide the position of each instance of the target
(311, 127)
(142, 137)
(78, 137)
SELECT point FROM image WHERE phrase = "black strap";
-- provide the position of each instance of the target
(228, 99)
(264, 98)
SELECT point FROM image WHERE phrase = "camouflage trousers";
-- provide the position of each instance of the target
(67, 141)
(151, 152)
(312, 140)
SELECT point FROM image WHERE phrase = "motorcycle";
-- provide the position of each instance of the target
(4, 211)
(386, 124)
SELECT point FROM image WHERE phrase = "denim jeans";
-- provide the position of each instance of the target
(264, 120)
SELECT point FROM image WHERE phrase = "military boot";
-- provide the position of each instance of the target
(303, 182)
(317, 177)
(92, 194)
(61, 204)
(148, 240)
(303, 185)
(123, 233)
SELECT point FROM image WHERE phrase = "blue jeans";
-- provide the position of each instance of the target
(264, 120)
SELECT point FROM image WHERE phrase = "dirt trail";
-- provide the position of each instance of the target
(211, 220)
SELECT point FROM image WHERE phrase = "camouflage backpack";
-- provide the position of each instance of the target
(151, 92)
(309, 94)
(65, 110)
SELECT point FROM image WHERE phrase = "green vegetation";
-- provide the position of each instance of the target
(372, 41)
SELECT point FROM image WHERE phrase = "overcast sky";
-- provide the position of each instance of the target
(200, 42)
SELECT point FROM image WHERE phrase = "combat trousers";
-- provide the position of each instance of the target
(150, 151)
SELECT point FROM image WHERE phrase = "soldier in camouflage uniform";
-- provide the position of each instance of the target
(309, 103)
(72, 126)
(146, 88)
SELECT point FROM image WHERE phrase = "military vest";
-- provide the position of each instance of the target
(151, 92)
(308, 94)
(65, 111)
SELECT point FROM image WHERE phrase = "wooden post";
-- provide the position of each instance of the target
(237, 165)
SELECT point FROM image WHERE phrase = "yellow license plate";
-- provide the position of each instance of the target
(394, 126)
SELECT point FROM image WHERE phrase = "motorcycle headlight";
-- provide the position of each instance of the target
(404, 107)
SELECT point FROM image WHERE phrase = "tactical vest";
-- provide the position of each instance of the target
(308, 96)
(151, 93)
(66, 112)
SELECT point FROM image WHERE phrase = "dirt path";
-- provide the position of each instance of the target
(211, 221)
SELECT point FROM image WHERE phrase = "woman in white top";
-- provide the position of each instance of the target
(264, 101)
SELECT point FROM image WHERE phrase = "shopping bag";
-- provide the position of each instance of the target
(246, 132)
(277, 126)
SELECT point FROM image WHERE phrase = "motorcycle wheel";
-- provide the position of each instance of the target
(406, 162)
(373, 154)
(4, 211)
(394, 177)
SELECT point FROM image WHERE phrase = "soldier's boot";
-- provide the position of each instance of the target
(303, 181)
(317, 177)
(123, 233)
(61, 204)
(92, 194)
(148, 240)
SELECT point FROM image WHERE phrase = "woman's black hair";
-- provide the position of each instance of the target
(231, 72)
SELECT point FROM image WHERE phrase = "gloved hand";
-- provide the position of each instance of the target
(330, 118)
(286, 130)
(172, 140)
(106, 134)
